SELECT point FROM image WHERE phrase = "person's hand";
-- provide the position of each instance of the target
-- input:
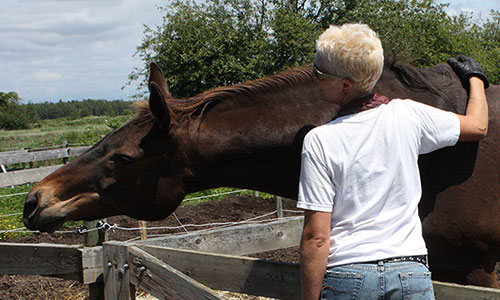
(466, 67)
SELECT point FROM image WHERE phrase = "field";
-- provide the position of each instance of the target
(48, 133)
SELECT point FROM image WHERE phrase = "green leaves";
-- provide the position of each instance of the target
(12, 114)
(223, 42)
(8, 98)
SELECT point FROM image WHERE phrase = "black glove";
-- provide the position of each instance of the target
(466, 67)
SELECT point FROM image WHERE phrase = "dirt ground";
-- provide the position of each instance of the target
(230, 209)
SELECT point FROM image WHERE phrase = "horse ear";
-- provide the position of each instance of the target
(158, 97)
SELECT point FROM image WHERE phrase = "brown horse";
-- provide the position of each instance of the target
(250, 136)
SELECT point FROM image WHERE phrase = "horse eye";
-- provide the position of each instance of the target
(123, 158)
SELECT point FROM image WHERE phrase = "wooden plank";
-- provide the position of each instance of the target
(26, 176)
(237, 240)
(279, 206)
(77, 151)
(92, 266)
(116, 272)
(92, 239)
(163, 281)
(232, 273)
(25, 156)
(12, 158)
(451, 291)
(41, 259)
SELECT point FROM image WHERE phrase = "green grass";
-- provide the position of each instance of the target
(48, 133)
(9, 206)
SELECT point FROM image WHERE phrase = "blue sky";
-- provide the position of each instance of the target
(82, 49)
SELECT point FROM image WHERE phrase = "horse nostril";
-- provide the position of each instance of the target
(30, 206)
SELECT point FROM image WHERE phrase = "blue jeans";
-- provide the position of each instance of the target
(393, 280)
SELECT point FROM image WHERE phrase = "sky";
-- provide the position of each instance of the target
(83, 49)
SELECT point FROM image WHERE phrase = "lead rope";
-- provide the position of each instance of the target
(178, 221)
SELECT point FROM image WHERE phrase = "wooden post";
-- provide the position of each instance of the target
(96, 237)
(279, 206)
(117, 272)
(142, 226)
(91, 239)
(65, 145)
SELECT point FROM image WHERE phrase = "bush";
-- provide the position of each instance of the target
(14, 116)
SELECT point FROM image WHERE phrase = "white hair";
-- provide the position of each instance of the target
(351, 51)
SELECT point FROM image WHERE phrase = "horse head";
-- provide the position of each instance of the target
(137, 161)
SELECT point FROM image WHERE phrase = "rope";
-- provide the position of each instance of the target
(251, 220)
(10, 215)
(213, 195)
(20, 229)
(179, 221)
(12, 195)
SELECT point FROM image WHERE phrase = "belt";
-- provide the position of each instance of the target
(418, 258)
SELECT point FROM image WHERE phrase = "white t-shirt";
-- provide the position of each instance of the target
(363, 169)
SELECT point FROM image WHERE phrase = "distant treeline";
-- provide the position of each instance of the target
(79, 109)
(14, 115)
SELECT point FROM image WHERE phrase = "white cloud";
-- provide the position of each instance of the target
(44, 75)
(74, 49)
(480, 10)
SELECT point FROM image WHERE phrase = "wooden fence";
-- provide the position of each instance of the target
(23, 176)
(180, 266)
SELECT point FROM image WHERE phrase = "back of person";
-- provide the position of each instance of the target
(371, 158)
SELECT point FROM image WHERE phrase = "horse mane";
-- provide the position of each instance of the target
(413, 77)
(191, 107)
(417, 79)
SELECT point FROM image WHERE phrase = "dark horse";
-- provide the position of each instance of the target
(250, 136)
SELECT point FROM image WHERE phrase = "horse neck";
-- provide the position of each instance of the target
(254, 141)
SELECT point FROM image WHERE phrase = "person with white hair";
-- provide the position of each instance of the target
(359, 182)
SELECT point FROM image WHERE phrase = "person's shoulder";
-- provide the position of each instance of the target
(407, 105)
(403, 102)
(319, 133)
(315, 133)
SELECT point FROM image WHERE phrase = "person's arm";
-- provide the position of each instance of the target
(314, 249)
(474, 124)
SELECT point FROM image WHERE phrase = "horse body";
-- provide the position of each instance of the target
(250, 136)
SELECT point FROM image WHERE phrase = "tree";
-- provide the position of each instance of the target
(490, 46)
(223, 42)
(8, 98)
(12, 114)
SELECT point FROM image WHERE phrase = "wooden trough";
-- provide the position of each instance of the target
(187, 266)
